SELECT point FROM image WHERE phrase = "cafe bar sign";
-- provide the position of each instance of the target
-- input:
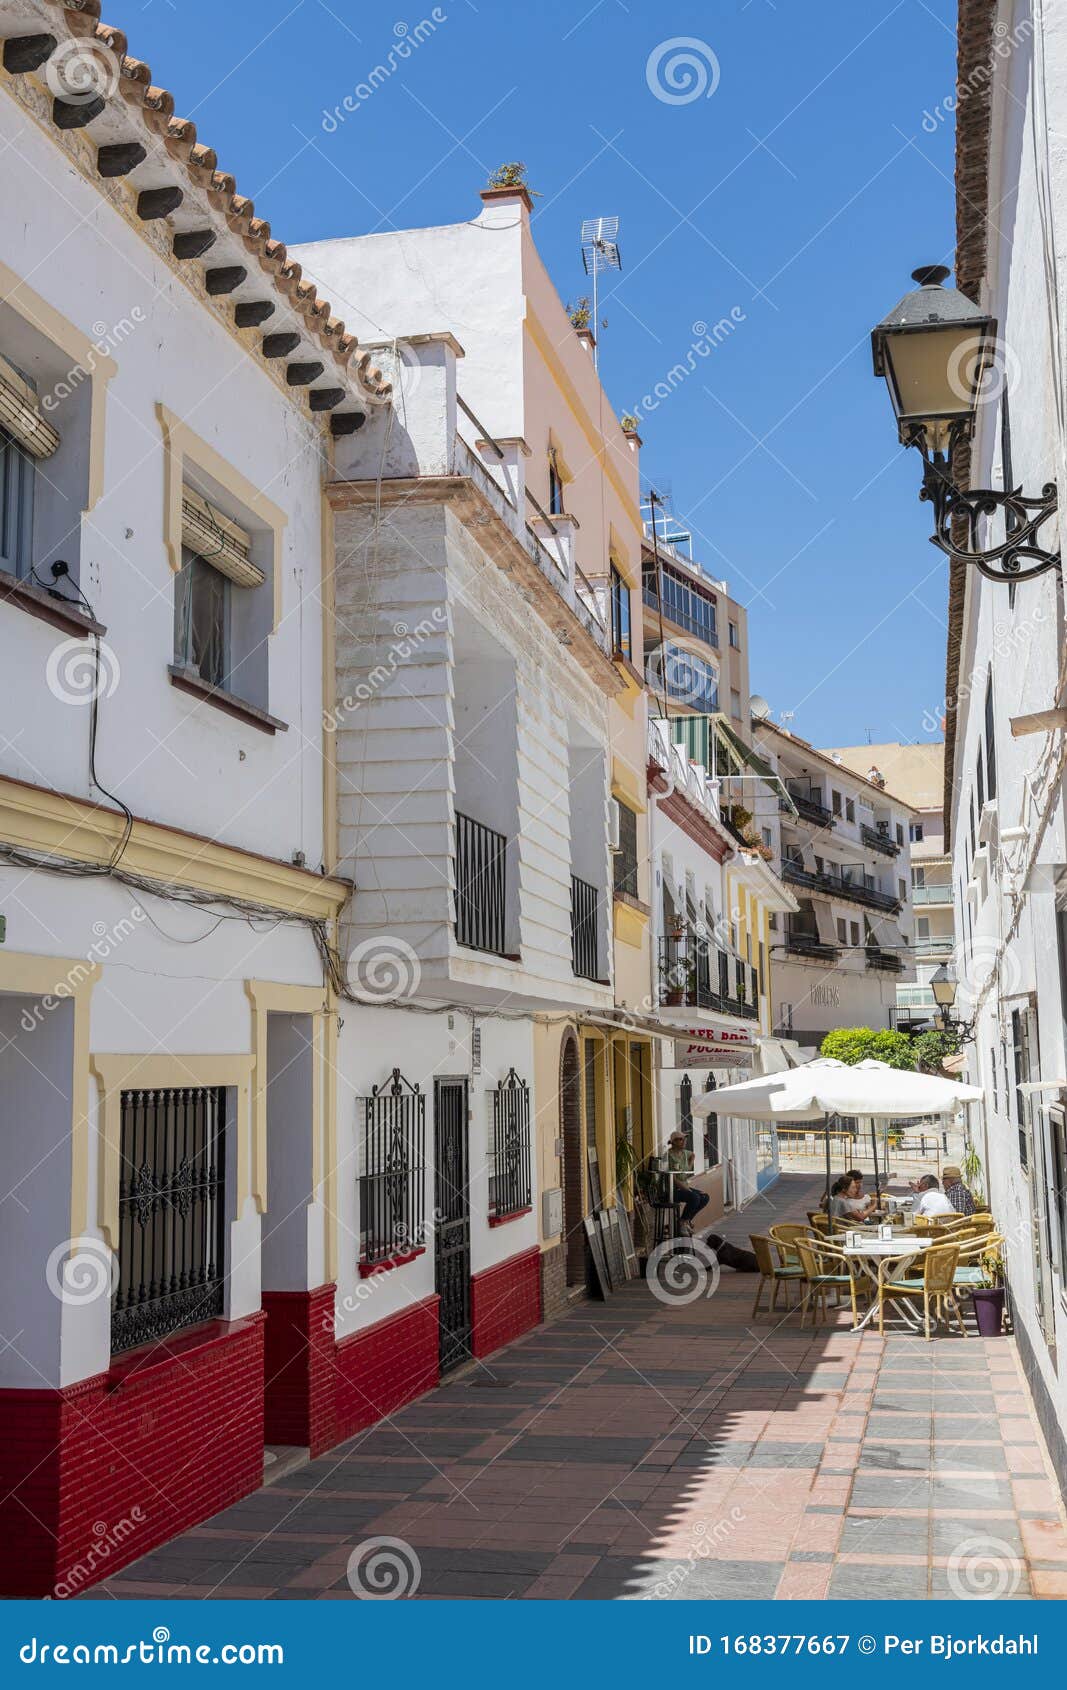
(714, 1047)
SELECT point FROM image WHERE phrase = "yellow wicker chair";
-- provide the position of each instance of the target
(785, 1235)
(771, 1271)
(825, 1269)
(969, 1272)
(935, 1286)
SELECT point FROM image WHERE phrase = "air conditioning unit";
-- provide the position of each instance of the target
(613, 824)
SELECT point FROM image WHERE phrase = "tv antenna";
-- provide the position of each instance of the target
(600, 251)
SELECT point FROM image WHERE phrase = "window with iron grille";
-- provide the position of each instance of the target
(509, 1177)
(16, 506)
(626, 855)
(392, 1184)
(171, 1255)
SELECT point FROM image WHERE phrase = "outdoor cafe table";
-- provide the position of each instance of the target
(870, 1253)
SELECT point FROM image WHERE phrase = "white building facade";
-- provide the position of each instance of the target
(1004, 794)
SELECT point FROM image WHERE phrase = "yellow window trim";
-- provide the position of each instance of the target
(629, 924)
(64, 978)
(181, 446)
(624, 786)
(59, 825)
(83, 354)
(118, 1072)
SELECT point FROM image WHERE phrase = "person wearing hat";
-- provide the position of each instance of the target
(957, 1193)
(680, 1163)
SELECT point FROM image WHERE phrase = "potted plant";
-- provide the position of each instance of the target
(628, 423)
(580, 314)
(988, 1298)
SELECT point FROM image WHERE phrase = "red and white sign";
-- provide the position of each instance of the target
(714, 1047)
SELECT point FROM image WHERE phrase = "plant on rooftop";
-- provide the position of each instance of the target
(580, 313)
(510, 176)
(628, 423)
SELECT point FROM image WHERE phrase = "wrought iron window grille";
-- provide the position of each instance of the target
(392, 1183)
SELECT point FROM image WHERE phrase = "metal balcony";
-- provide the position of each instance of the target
(696, 974)
(810, 808)
(885, 962)
(835, 887)
(805, 942)
(879, 841)
(481, 885)
(585, 922)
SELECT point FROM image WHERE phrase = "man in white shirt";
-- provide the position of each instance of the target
(932, 1200)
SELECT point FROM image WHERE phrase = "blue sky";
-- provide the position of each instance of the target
(798, 196)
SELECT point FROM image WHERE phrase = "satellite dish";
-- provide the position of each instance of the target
(759, 707)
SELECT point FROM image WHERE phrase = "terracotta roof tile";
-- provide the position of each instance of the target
(155, 105)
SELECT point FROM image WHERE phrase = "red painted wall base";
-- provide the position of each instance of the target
(98, 1473)
(505, 1301)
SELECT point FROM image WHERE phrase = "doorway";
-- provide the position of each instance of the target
(570, 1120)
(452, 1223)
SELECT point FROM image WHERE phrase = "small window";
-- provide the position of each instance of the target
(902, 890)
(555, 487)
(922, 927)
(990, 738)
(835, 802)
(980, 778)
(918, 877)
(900, 833)
(854, 932)
(768, 837)
(850, 809)
(842, 930)
(735, 703)
(621, 643)
(626, 855)
(202, 620)
(735, 637)
(16, 506)
(916, 833)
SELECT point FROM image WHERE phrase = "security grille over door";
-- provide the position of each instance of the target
(452, 1217)
(171, 1256)
(509, 1178)
(392, 1196)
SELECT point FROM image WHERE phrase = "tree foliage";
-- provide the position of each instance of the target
(861, 1044)
(930, 1048)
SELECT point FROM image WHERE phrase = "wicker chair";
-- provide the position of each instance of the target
(825, 1268)
(785, 1235)
(772, 1271)
(936, 1286)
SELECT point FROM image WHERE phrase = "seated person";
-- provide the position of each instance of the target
(679, 1163)
(932, 1200)
(871, 1203)
(848, 1202)
(959, 1196)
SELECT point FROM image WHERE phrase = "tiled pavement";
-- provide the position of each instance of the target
(684, 1451)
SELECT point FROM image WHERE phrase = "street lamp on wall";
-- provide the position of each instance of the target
(934, 350)
(943, 984)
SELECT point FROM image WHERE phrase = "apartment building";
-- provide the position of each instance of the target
(170, 395)
(696, 634)
(917, 774)
(505, 764)
(842, 843)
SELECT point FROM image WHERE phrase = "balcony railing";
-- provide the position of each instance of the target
(836, 887)
(696, 974)
(585, 923)
(941, 945)
(481, 881)
(805, 941)
(937, 892)
(680, 617)
(885, 962)
(809, 807)
(879, 841)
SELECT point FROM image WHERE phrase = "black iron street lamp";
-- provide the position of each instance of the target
(934, 350)
(944, 986)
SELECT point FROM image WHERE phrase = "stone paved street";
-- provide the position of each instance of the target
(635, 1449)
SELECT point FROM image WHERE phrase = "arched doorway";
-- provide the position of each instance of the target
(570, 1120)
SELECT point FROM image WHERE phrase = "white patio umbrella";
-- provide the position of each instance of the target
(827, 1087)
